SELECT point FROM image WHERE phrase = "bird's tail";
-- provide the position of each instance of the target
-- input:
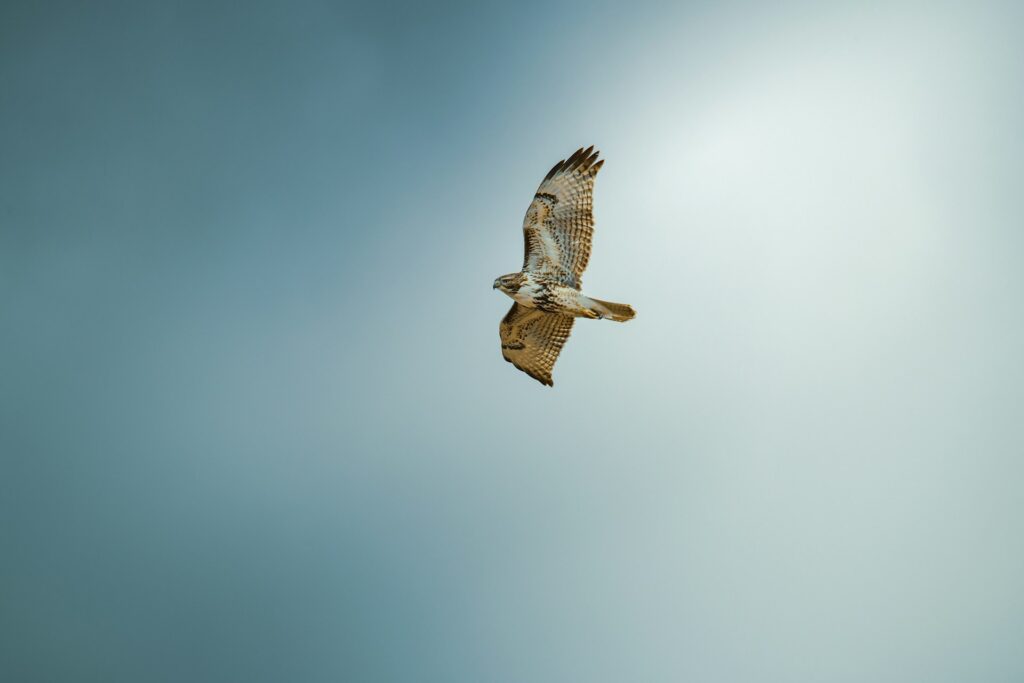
(612, 311)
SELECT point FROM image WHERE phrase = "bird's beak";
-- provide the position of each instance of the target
(495, 285)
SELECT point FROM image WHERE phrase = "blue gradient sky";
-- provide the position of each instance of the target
(255, 425)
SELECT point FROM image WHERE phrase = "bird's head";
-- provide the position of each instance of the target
(509, 283)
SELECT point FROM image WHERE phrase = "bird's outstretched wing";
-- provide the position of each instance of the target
(560, 221)
(531, 339)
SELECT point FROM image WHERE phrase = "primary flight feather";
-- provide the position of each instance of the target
(557, 232)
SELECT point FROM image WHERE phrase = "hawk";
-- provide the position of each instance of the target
(557, 231)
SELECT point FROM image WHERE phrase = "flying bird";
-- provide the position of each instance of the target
(557, 232)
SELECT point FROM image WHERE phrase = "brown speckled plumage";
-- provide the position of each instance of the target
(557, 232)
(562, 212)
(531, 339)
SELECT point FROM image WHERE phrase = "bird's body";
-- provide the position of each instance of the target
(537, 291)
(557, 231)
(552, 296)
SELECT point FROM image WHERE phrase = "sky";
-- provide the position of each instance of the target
(254, 420)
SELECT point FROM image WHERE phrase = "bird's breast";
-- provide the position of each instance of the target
(528, 293)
